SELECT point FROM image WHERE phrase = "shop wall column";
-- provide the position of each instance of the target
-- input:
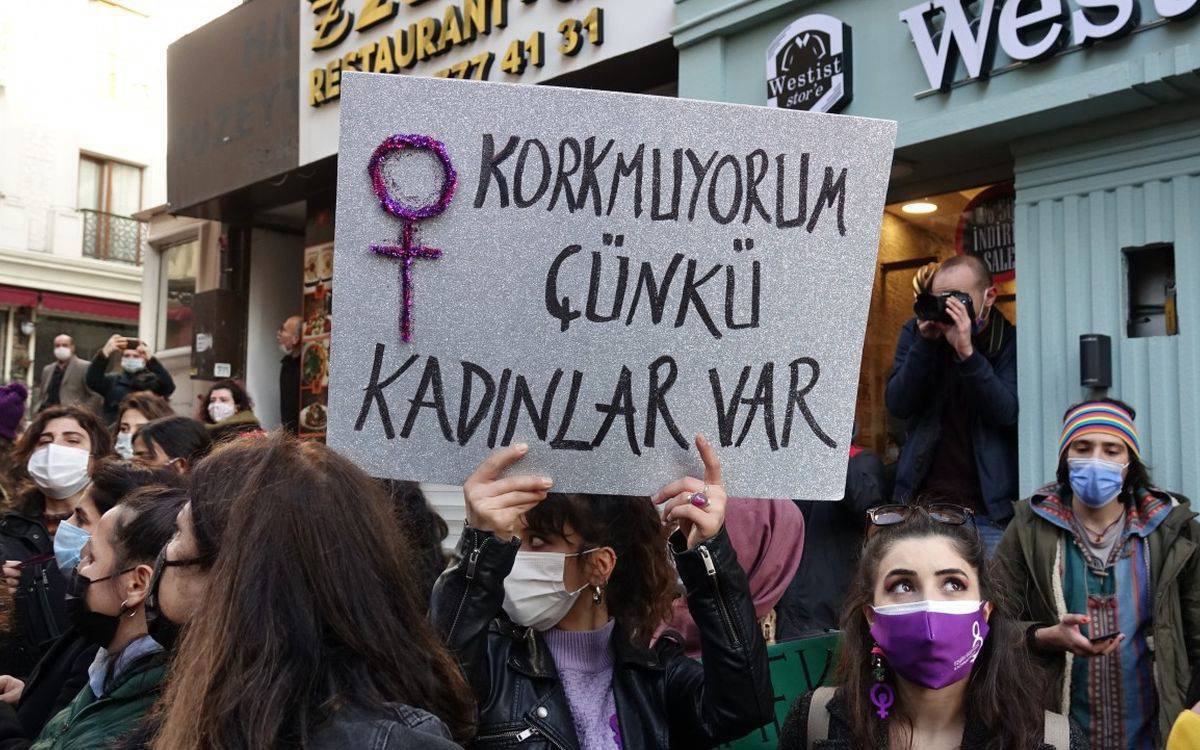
(1079, 203)
(276, 280)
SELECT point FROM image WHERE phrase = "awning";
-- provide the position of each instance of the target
(18, 296)
(68, 303)
(88, 306)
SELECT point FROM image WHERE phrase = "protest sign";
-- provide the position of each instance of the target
(602, 276)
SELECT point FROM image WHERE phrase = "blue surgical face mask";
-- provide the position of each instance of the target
(1096, 482)
(68, 544)
(124, 445)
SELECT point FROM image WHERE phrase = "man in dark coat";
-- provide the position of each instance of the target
(140, 371)
(956, 386)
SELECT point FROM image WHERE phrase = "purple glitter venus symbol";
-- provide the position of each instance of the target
(408, 251)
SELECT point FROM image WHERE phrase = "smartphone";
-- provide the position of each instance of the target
(132, 343)
(1105, 637)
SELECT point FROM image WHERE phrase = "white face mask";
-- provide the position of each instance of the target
(133, 364)
(59, 470)
(124, 446)
(535, 595)
(62, 353)
(220, 410)
(285, 349)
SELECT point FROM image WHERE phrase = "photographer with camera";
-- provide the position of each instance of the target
(954, 381)
(140, 371)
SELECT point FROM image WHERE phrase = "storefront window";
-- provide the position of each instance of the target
(975, 221)
(89, 336)
(180, 265)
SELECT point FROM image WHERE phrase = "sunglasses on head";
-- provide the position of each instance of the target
(947, 513)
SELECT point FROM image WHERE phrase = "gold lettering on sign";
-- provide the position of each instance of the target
(375, 12)
(458, 24)
(332, 24)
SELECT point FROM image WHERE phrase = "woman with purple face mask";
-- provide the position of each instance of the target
(1110, 567)
(931, 657)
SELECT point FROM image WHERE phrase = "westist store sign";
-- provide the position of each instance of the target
(1027, 31)
(509, 41)
(808, 65)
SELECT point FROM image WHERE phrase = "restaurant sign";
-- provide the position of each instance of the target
(509, 41)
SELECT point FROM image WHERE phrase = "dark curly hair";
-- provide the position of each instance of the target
(241, 399)
(1002, 671)
(643, 583)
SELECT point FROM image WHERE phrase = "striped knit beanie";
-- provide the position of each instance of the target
(1100, 416)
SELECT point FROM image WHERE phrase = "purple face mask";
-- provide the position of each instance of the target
(931, 643)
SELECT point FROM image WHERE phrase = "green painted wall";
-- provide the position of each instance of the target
(1104, 145)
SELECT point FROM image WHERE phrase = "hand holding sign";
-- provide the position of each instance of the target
(698, 506)
(494, 502)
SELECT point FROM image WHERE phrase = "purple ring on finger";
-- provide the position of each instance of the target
(699, 499)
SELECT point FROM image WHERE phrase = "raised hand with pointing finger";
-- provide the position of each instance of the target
(698, 506)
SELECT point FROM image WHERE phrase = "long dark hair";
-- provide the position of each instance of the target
(147, 524)
(1137, 479)
(29, 500)
(1004, 688)
(642, 586)
(113, 480)
(425, 529)
(312, 606)
(241, 399)
(179, 437)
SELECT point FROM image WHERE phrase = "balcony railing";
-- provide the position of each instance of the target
(112, 237)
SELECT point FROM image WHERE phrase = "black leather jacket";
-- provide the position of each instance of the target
(664, 699)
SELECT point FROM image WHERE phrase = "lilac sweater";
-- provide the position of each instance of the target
(585, 664)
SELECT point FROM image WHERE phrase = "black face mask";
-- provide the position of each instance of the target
(158, 625)
(94, 627)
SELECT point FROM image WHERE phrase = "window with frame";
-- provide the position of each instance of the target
(109, 193)
(180, 267)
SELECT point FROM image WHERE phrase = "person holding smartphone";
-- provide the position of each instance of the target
(1107, 571)
(140, 371)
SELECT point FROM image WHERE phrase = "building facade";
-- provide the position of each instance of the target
(252, 149)
(1060, 143)
(82, 151)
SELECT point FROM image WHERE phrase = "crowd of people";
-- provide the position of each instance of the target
(177, 582)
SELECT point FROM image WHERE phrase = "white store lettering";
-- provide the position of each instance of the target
(1027, 31)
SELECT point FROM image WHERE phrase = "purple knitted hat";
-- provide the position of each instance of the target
(12, 408)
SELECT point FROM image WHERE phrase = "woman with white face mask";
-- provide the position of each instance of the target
(58, 453)
(63, 668)
(227, 411)
(553, 606)
(1109, 566)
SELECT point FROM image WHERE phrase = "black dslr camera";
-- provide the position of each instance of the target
(933, 306)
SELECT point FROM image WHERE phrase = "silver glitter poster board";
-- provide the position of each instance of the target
(616, 274)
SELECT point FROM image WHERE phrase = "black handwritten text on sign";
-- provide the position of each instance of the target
(618, 273)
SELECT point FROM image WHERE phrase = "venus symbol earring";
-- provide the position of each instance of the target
(881, 692)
